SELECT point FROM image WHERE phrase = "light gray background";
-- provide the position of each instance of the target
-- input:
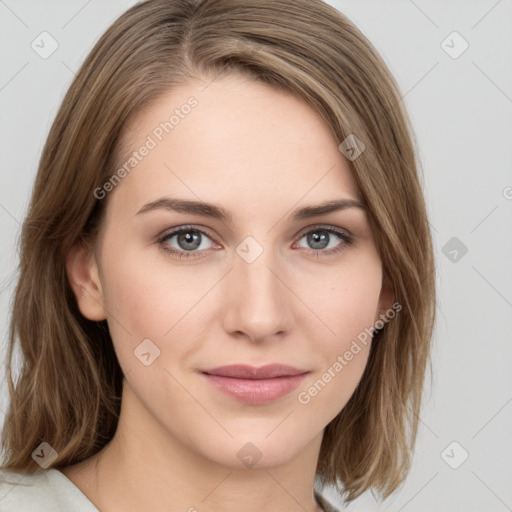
(461, 110)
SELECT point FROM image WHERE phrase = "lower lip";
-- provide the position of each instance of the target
(255, 391)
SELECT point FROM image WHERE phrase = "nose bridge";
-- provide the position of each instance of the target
(259, 305)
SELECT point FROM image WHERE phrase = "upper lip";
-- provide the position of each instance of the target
(243, 371)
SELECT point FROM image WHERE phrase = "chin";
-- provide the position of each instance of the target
(259, 452)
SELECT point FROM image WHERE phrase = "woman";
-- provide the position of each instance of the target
(226, 290)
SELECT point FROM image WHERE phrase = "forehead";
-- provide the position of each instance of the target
(232, 138)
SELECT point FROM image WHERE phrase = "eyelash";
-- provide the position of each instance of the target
(346, 241)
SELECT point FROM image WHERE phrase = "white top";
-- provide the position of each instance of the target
(52, 491)
(48, 491)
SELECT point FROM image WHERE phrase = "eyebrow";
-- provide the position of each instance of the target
(217, 212)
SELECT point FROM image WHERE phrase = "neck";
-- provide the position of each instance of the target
(145, 467)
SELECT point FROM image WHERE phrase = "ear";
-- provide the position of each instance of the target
(387, 297)
(82, 271)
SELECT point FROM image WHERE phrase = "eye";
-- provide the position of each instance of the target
(191, 241)
(188, 239)
(323, 240)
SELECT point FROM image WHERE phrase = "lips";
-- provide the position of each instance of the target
(252, 385)
(242, 371)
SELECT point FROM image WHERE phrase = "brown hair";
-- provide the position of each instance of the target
(69, 388)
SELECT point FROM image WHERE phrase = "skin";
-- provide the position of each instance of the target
(260, 154)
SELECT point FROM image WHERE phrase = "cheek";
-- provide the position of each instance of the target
(351, 302)
(149, 299)
(354, 311)
(141, 290)
(140, 304)
(130, 295)
(349, 309)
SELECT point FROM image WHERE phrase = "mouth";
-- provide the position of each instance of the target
(254, 385)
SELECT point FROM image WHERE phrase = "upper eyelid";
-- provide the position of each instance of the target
(178, 229)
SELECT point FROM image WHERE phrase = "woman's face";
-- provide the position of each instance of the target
(264, 286)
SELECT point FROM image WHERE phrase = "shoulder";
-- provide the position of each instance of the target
(326, 506)
(44, 491)
(51, 491)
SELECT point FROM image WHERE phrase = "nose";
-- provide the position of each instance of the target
(258, 303)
